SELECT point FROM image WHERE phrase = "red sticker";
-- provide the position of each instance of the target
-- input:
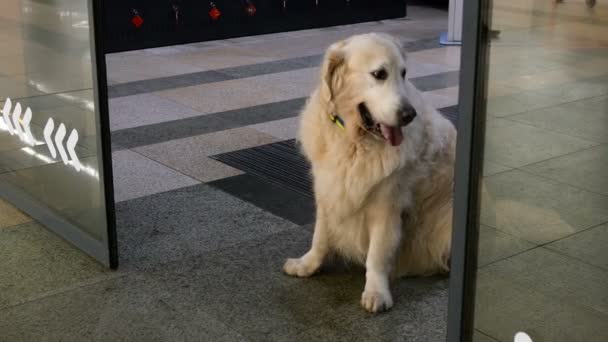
(214, 13)
(137, 21)
(250, 9)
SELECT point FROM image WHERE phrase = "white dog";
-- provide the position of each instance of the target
(382, 164)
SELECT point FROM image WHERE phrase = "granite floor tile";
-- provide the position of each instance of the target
(221, 57)
(283, 129)
(189, 155)
(170, 226)
(537, 209)
(517, 103)
(495, 245)
(36, 263)
(584, 119)
(587, 246)
(165, 83)
(278, 200)
(145, 109)
(569, 305)
(419, 69)
(481, 337)
(11, 216)
(273, 306)
(242, 93)
(436, 81)
(448, 56)
(183, 128)
(516, 144)
(137, 176)
(441, 98)
(491, 167)
(135, 67)
(131, 308)
(585, 169)
(572, 281)
(578, 90)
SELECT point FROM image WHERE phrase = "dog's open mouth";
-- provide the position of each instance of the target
(391, 134)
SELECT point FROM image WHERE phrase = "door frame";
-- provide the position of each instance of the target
(468, 169)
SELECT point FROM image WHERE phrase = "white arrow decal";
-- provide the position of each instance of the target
(27, 118)
(59, 142)
(71, 144)
(16, 115)
(48, 130)
(6, 113)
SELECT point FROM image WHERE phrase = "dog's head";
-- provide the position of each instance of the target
(363, 83)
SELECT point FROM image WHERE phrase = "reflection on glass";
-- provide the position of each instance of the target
(49, 142)
(543, 262)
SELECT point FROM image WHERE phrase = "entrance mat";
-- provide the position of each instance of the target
(282, 163)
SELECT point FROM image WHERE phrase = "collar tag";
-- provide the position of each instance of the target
(337, 120)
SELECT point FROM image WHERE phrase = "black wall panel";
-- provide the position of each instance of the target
(195, 25)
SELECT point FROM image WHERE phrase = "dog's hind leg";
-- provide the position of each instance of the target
(310, 262)
(384, 241)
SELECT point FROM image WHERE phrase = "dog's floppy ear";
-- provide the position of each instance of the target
(330, 78)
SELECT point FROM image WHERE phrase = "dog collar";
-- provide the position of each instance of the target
(335, 118)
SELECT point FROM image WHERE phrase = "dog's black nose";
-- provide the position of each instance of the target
(406, 113)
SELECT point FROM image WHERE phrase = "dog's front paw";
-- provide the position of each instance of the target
(376, 301)
(299, 267)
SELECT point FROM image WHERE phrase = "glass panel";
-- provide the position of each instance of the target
(50, 156)
(543, 262)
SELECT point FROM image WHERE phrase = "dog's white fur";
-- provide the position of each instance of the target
(388, 208)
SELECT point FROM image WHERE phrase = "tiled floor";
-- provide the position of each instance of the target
(201, 243)
(545, 201)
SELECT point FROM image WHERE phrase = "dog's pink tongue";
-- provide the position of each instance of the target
(392, 134)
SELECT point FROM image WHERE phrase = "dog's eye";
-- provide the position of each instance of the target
(403, 73)
(380, 74)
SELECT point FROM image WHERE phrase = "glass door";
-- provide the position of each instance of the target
(54, 140)
(530, 258)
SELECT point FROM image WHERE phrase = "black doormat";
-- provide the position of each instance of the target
(279, 163)
(283, 164)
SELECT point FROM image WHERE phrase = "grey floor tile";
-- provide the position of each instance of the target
(145, 109)
(585, 169)
(481, 337)
(36, 263)
(491, 167)
(515, 144)
(588, 246)
(283, 129)
(135, 67)
(164, 83)
(232, 94)
(137, 176)
(573, 91)
(183, 128)
(132, 308)
(243, 286)
(441, 98)
(548, 295)
(495, 245)
(186, 222)
(11, 216)
(500, 106)
(189, 155)
(537, 209)
(583, 119)
(437, 81)
(221, 57)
